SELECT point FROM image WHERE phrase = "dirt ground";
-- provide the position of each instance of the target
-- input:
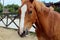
(10, 34)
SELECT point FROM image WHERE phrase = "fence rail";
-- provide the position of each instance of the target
(11, 16)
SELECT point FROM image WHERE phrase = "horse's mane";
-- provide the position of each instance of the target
(40, 7)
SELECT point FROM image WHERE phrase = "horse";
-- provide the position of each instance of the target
(47, 21)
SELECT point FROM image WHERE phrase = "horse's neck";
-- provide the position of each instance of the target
(42, 17)
(42, 23)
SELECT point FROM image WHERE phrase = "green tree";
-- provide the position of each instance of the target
(1, 7)
(57, 9)
(12, 8)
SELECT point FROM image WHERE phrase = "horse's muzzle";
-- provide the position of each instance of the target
(25, 32)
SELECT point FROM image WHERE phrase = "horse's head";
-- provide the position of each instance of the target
(28, 17)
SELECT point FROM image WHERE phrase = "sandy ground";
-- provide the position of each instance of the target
(10, 34)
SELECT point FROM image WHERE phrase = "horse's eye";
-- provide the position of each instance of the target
(30, 12)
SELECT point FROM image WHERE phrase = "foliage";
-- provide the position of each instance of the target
(57, 9)
(1, 7)
(12, 8)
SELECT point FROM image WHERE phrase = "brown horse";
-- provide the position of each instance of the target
(47, 21)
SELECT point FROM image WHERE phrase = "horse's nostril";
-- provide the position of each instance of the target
(30, 12)
(23, 34)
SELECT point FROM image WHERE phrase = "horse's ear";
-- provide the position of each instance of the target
(31, 1)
